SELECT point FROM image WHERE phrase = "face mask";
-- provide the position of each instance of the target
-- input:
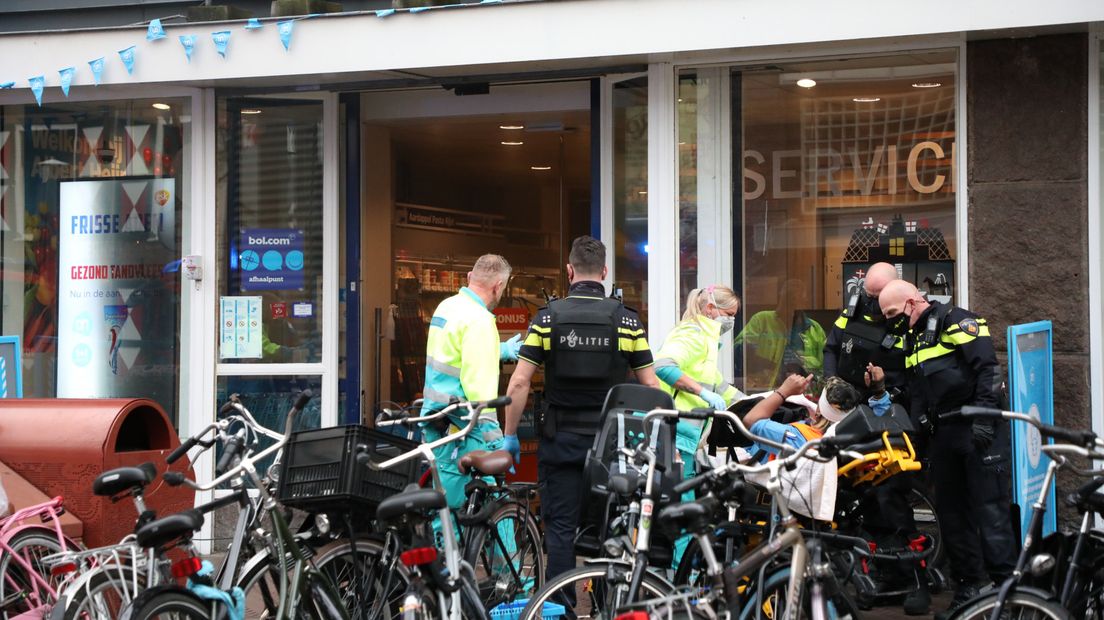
(898, 326)
(727, 323)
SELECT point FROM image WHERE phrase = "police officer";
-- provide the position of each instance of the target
(859, 337)
(861, 351)
(951, 363)
(462, 362)
(587, 343)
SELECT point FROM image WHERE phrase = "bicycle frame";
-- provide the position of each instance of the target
(14, 525)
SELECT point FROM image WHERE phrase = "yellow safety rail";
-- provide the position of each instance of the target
(877, 467)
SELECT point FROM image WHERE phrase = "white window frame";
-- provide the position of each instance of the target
(1096, 261)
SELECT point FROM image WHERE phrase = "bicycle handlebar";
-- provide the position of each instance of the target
(1060, 433)
(705, 414)
(426, 449)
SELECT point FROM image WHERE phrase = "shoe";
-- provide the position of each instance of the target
(963, 593)
(918, 602)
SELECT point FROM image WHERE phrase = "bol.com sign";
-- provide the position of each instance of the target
(271, 259)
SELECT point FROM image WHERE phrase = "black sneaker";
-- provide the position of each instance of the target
(963, 593)
(918, 602)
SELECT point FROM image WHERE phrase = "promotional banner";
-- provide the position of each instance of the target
(285, 30)
(97, 67)
(240, 328)
(1031, 388)
(66, 76)
(188, 41)
(222, 41)
(127, 56)
(271, 259)
(155, 31)
(118, 293)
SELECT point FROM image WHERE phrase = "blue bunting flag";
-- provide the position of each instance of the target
(128, 59)
(7, 85)
(284, 29)
(253, 24)
(385, 12)
(97, 67)
(37, 84)
(222, 41)
(66, 79)
(155, 31)
(188, 41)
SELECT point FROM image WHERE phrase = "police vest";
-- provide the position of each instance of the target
(584, 357)
(865, 343)
(946, 382)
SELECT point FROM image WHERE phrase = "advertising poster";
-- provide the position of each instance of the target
(271, 259)
(11, 368)
(1031, 388)
(118, 290)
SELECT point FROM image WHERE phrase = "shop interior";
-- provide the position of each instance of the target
(508, 172)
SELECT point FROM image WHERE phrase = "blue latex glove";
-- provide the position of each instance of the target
(714, 399)
(508, 351)
(511, 444)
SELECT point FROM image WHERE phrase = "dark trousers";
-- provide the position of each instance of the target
(972, 494)
(560, 462)
(887, 515)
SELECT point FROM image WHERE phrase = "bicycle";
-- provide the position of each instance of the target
(279, 581)
(1014, 597)
(27, 584)
(499, 533)
(436, 589)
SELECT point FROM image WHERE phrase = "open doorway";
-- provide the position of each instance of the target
(450, 178)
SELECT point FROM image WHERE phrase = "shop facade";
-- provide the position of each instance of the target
(331, 194)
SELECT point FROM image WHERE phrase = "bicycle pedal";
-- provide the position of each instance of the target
(864, 585)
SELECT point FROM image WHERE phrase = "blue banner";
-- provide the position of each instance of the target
(155, 31)
(97, 67)
(66, 79)
(37, 85)
(188, 41)
(284, 29)
(222, 41)
(128, 59)
(1031, 387)
(7, 85)
(253, 24)
(271, 259)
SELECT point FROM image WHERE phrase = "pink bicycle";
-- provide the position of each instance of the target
(27, 586)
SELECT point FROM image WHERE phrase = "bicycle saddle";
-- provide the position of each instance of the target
(115, 481)
(488, 463)
(167, 529)
(410, 502)
(688, 516)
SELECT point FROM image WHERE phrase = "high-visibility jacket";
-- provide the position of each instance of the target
(769, 336)
(692, 347)
(462, 353)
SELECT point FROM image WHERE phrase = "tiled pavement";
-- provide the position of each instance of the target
(939, 603)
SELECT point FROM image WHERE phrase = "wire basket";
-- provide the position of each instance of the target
(320, 470)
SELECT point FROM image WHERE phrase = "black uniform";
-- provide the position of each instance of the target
(587, 343)
(859, 337)
(951, 363)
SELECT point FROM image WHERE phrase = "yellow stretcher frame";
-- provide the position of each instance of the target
(877, 467)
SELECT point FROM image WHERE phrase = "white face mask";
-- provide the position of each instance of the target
(727, 322)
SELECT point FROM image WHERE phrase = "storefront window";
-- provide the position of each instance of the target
(630, 192)
(92, 205)
(844, 163)
(270, 231)
(269, 399)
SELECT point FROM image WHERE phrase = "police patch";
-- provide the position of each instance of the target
(969, 326)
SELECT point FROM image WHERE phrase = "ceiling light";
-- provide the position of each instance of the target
(866, 99)
(511, 126)
(680, 99)
(806, 83)
(511, 143)
(250, 111)
(540, 167)
(643, 193)
(926, 85)
(162, 106)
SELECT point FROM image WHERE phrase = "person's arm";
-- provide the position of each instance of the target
(647, 376)
(973, 340)
(764, 409)
(518, 391)
(682, 345)
(832, 347)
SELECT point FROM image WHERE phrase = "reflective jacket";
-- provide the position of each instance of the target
(691, 349)
(461, 353)
(768, 338)
(951, 361)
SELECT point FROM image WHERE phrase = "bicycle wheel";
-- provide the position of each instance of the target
(19, 590)
(260, 581)
(927, 523)
(100, 595)
(589, 591)
(369, 589)
(1019, 605)
(771, 604)
(507, 555)
(168, 603)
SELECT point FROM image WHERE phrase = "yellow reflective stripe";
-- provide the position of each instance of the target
(958, 338)
(983, 330)
(630, 332)
(841, 322)
(641, 345)
(928, 353)
(532, 340)
(546, 343)
(539, 329)
(632, 345)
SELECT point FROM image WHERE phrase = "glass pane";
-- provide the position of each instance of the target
(93, 199)
(270, 227)
(630, 192)
(269, 399)
(851, 167)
